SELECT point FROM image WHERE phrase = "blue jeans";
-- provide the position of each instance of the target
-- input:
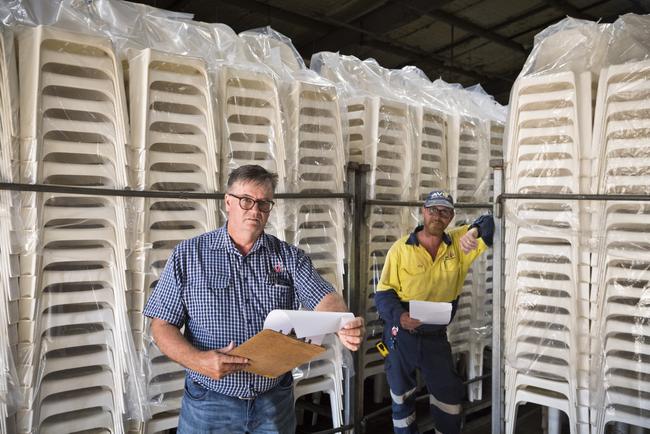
(204, 411)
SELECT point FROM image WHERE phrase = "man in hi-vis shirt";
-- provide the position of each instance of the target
(429, 264)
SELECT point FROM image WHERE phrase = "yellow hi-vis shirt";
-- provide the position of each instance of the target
(413, 274)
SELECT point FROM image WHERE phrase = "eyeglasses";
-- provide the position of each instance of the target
(247, 203)
(445, 213)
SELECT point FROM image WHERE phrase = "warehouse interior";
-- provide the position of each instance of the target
(120, 122)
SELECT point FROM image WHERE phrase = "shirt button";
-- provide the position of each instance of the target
(248, 300)
(249, 322)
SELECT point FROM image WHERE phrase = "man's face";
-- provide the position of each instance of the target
(436, 219)
(251, 221)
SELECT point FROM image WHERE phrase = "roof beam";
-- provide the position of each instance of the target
(639, 6)
(498, 26)
(278, 13)
(383, 43)
(470, 27)
(567, 8)
(381, 20)
(351, 11)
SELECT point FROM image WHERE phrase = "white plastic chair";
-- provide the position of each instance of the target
(315, 149)
(252, 133)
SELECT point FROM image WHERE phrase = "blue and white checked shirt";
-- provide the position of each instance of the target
(222, 296)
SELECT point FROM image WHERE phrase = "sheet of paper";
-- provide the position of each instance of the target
(430, 312)
(309, 325)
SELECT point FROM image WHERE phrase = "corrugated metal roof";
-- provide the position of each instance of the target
(484, 41)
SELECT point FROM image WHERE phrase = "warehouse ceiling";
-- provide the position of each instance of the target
(463, 41)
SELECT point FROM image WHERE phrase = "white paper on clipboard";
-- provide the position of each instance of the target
(430, 312)
(310, 325)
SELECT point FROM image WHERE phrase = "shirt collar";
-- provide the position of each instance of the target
(222, 241)
(412, 240)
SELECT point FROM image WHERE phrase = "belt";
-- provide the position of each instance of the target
(243, 398)
(432, 333)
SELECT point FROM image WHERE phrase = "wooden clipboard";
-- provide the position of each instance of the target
(272, 354)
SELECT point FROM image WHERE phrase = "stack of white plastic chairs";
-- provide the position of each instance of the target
(497, 130)
(385, 226)
(547, 269)
(323, 374)
(9, 265)
(316, 165)
(430, 153)
(76, 348)
(174, 148)
(468, 159)
(458, 332)
(466, 333)
(483, 289)
(358, 118)
(251, 128)
(388, 149)
(621, 316)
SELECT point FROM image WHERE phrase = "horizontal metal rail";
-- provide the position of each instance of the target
(419, 204)
(560, 196)
(91, 191)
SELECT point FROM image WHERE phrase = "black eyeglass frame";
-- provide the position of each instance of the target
(432, 210)
(259, 203)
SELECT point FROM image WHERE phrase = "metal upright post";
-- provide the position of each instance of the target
(361, 238)
(349, 389)
(497, 301)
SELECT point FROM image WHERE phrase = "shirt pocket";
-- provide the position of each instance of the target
(415, 269)
(280, 293)
(211, 304)
(451, 265)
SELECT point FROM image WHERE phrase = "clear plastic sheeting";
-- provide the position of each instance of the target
(275, 50)
(10, 236)
(10, 390)
(76, 352)
(380, 123)
(442, 130)
(416, 136)
(314, 152)
(547, 291)
(318, 229)
(621, 317)
(470, 333)
(173, 148)
(569, 45)
(621, 282)
(384, 225)
(621, 128)
(9, 151)
(574, 270)
(252, 130)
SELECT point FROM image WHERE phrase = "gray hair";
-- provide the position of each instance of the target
(252, 173)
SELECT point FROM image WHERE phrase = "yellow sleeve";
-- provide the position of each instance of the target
(389, 274)
(469, 257)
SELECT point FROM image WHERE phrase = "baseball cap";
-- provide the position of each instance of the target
(439, 198)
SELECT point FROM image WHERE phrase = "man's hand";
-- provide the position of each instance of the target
(409, 323)
(216, 364)
(351, 334)
(468, 241)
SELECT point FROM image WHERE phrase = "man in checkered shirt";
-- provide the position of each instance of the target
(221, 285)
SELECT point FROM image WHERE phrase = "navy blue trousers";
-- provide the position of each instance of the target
(431, 355)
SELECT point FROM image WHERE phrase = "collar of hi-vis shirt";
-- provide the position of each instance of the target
(413, 237)
(425, 278)
(222, 241)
